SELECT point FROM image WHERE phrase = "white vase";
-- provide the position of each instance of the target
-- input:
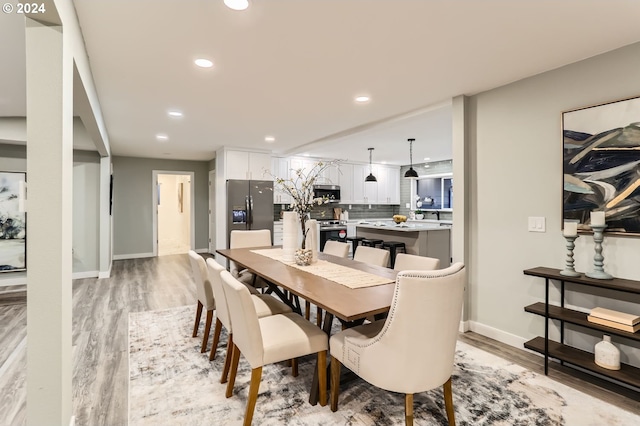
(419, 216)
(607, 355)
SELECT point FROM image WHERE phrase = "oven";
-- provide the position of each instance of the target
(332, 230)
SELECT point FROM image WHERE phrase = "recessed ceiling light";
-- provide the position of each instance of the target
(383, 162)
(175, 113)
(162, 137)
(427, 158)
(362, 99)
(269, 139)
(237, 4)
(306, 155)
(203, 63)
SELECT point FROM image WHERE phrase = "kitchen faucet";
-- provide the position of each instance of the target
(437, 213)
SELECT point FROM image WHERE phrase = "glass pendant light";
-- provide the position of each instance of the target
(411, 174)
(371, 177)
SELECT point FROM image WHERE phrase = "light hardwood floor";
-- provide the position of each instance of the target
(100, 335)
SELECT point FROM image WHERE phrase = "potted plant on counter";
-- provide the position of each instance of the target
(419, 215)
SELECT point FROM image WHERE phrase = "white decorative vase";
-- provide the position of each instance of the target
(607, 355)
(419, 216)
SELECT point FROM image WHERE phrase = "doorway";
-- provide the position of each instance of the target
(174, 213)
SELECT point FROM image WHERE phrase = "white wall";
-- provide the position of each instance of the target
(516, 172)
(86, 178)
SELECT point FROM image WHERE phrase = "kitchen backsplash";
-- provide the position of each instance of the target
(357, 211)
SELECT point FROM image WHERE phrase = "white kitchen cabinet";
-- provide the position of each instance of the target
(345, 180)
(364, 192)
(247, 165)
(388, 185)
(280, 169)
(277, 233)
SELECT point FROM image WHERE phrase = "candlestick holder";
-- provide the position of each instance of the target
(598, 259)
(568, 270)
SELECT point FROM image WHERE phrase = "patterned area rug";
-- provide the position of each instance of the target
(171, 382)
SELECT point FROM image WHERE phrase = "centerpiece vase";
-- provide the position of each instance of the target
(303, 255)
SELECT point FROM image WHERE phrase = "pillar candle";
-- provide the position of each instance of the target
(570, 229)
(597, 218)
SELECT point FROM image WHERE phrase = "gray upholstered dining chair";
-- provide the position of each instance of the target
(268, 340)
(264, 305)
(372, 256)
(205, 298)
(336, 248)
(411, 261)
(244, 239)
(395, 354)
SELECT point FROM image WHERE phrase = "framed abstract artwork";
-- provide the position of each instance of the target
(601, 165)
(13, 223)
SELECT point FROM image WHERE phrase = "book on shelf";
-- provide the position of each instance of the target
(614, 324)
(615, 316)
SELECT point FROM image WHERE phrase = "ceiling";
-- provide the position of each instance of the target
(291, 69)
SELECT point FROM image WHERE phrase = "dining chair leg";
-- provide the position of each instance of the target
(207, 330)
(256, 375)
(318, 317)
(227, 360)
(294, 367)
(307, 310)
(322, 377)
(448, 402)
(235, 357)
(408, 409)
(335, 382)
(198, 315)
(216, 339)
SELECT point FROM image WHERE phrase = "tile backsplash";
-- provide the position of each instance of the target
(357, 211)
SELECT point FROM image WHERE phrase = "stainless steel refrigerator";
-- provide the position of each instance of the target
(249, 205)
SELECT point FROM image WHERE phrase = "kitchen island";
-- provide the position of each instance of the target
(422, 239)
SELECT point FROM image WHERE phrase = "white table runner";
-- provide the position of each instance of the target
(349, 277)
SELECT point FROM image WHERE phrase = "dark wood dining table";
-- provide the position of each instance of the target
(350, 306)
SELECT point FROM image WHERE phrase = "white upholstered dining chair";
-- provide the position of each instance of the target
(413, 349)
(336, 248)
(244, 239)
(205, 298)
(268, 340)
(411, 261)
(372, 256)
(264, 305)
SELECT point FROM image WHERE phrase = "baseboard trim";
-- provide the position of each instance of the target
(85, 274)
(105, 274)
(495, 334)
(464, 326)
(13, 281)
(72, 421)
(132, 256)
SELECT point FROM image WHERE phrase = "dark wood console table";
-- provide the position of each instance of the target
(566, 354)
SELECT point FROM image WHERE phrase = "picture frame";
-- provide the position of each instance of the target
(601, 165)
(13, 222)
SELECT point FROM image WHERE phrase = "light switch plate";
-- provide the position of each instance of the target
(537, 224)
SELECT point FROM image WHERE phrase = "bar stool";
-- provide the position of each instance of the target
(355, 241)
(370, 242)
(393, 247)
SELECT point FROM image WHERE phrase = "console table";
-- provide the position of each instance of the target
(627, 374)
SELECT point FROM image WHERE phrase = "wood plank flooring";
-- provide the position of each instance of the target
(100, 337)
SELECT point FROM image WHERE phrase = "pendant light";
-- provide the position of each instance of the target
(411, 174)
(371, 177)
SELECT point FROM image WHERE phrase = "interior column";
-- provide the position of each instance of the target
(49, 227)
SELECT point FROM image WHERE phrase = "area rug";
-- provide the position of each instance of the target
(172, 383)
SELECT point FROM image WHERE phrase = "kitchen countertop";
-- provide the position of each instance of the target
(411, 226)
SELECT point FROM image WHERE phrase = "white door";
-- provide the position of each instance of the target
(174, 216)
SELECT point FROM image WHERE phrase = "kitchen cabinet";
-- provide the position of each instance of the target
(247, 165)
(388, 185)
(364, 192)
(345, 180)
(280, 169)
(277, 233)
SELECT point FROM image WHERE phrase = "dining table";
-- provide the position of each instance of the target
(350, 305)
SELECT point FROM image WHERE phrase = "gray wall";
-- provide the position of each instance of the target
(85, 205)
(515, 143)
(132, 202)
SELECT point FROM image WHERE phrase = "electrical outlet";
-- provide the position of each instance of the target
(369, 206)
(537, 224)
(408, 205)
